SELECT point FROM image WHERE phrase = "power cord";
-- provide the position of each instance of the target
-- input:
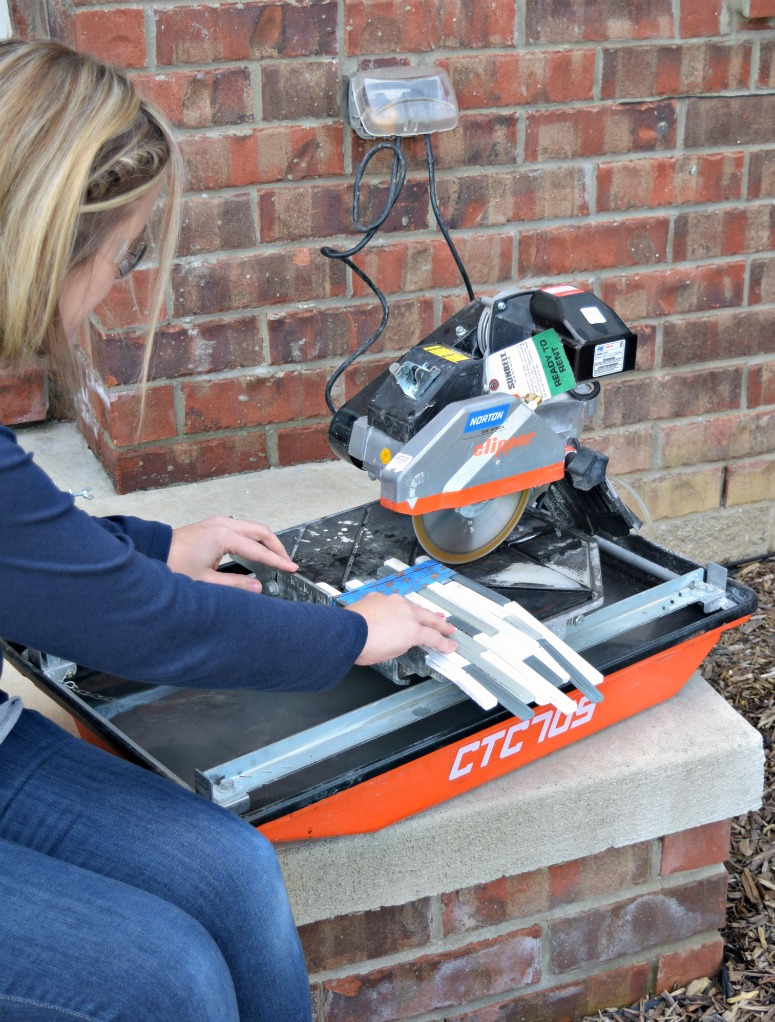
(397, 179)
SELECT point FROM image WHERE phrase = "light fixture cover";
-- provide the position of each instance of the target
(401, 101)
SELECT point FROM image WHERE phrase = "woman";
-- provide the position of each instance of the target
(123, 897)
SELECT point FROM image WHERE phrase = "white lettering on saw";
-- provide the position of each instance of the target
(550, 722)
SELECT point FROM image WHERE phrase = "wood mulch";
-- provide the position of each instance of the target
(742, 668)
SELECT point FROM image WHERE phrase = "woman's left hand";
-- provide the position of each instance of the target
(196, 550)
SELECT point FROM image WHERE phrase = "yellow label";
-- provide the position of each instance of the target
(447, 353)
(385, 456)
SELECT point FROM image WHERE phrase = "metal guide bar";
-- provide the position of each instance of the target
(289, 755)
(344, 732)
(638, 610)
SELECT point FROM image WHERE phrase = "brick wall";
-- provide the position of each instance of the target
(628, 147)
(557, 943)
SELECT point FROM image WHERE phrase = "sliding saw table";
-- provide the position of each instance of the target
(602, 627)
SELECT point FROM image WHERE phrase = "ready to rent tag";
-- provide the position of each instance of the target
(538, 365)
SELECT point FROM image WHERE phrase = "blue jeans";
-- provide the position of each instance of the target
(124, 898)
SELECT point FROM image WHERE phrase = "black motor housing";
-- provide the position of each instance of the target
(449, 361)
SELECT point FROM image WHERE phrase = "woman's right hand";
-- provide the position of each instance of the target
(395, 625)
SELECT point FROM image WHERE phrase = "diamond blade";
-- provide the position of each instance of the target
(459, 535)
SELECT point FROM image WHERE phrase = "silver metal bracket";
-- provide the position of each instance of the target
(55, 668)
(414, 379)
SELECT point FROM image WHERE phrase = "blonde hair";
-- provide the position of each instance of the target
(77, 147)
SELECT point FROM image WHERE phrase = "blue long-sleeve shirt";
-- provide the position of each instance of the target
(98, 592)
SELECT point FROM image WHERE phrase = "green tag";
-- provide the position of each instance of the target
(536, 366)
(554, 362)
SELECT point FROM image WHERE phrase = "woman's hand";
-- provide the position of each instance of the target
(196, 550)
(395, 625)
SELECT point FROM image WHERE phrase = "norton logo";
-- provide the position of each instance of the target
(486, 419)
(495, 445)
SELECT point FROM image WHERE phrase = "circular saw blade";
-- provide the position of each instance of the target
(462, 534)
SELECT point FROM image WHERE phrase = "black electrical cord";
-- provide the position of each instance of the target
(397, 178)
(440, 221)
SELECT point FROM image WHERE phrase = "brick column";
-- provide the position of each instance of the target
(553, 943)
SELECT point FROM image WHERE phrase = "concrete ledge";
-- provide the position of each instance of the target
(687, 762)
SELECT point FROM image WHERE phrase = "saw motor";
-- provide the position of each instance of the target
(480, 419)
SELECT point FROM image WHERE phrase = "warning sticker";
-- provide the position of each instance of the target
(608, 358)
(592, 314)
(448, 353)
(562, 289)
(538, 365)
(399, 462)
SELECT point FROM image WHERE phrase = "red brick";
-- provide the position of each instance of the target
(475, 908)
(700, 17)
(718, 439)
(628, 451)
(674, 290)
(766, 79)
(678, 968)
(670, 181)
(298, 445)
(705, 234)
(604, 873)
(295, 90)
(332, 332)
(570, 21)
(761, 176)
(627, 927)
(261, 156)
(730, 121)
(344, 940)
(614, 988)
(200, 99)
(185, 461)
(245, 31)
(637, 399)
(632, 72)
(217, 223)
(398, 26)
(121, 416)
(208, 346)
(235, 402)
(423, 264)
(749, 482)
(23, 396)
(503, 197)
(576, 247)
(599, 130)
(489, 80)
(647, 341)
(691, 849)
(479, 140)
(412, 988)
(762, 288)
(737, 334)
(761, 384)
(250, 281)
(325, 210)
(759, 9)
(117, 35)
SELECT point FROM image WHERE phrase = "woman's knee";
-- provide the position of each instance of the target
(177, 972)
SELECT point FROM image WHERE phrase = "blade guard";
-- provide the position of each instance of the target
(472, 451)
